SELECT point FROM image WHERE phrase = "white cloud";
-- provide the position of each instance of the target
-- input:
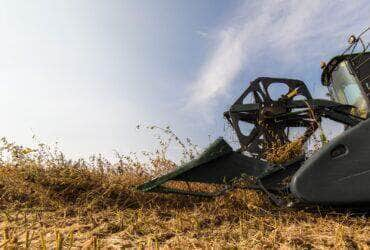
(202, 33)
(292, 31)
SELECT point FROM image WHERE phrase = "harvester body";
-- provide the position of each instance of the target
(337, 174)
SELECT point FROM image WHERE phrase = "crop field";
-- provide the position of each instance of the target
(49, 202)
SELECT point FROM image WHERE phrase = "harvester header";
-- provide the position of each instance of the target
(337, 174)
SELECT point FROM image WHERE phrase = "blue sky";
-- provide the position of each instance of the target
(85, 73)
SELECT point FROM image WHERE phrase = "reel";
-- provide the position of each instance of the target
(261, 118)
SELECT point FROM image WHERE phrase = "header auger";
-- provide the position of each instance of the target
(337, 174)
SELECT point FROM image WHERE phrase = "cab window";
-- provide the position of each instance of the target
(346, 89)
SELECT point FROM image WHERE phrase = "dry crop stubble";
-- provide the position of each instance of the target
(49, 202)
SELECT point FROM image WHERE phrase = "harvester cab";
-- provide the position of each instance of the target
(337, 174)
(348, 81)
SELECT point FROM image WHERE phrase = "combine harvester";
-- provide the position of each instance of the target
(337, 174)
